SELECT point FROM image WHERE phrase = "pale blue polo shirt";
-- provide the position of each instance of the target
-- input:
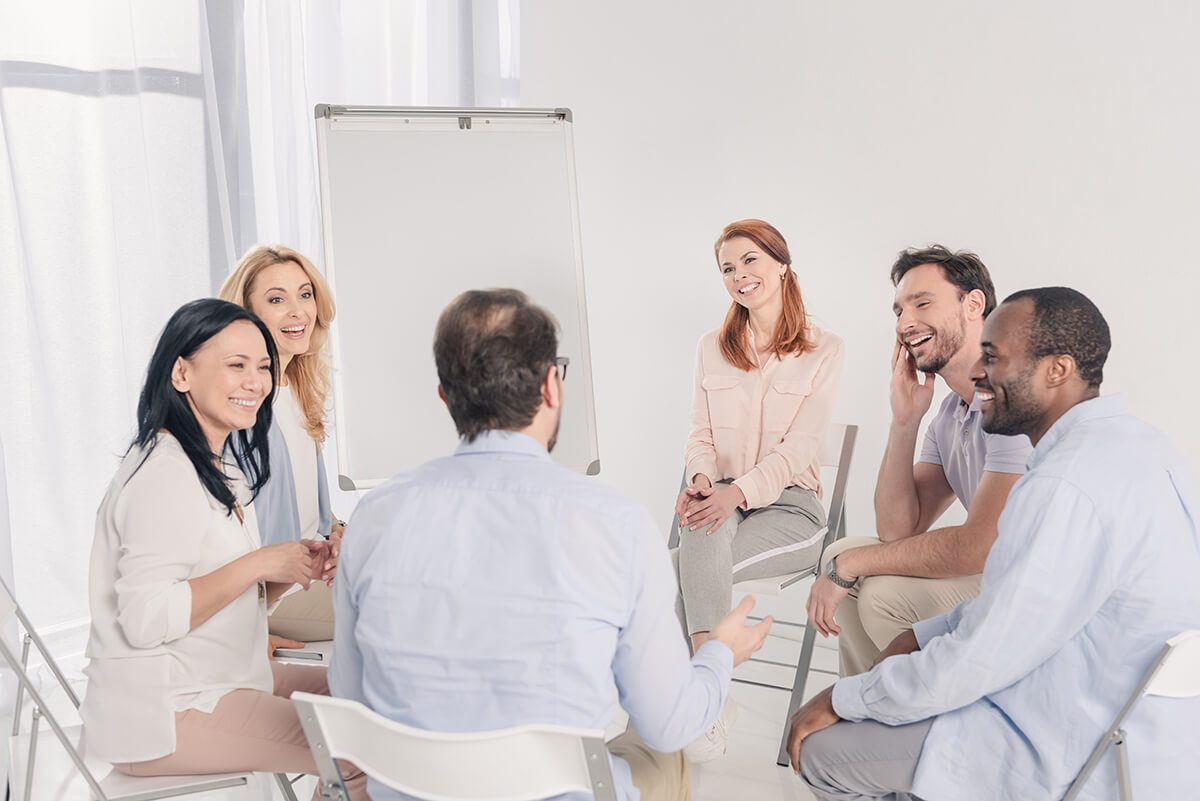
(956, 440)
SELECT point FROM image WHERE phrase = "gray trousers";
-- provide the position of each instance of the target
(771, 541)
(864, 761)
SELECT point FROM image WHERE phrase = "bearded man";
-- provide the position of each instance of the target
(880, 587)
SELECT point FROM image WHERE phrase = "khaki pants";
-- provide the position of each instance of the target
(880, 608)
(306, 616)
(659, 777)
(250, 730)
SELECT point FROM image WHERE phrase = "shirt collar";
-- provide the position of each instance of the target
(962, 409)
(1104, 406)
(500, 441)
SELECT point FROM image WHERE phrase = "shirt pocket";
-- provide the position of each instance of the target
(783, 401)
(726, 401)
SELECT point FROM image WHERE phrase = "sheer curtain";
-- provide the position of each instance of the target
(143, 146)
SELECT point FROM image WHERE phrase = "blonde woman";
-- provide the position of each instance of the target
(288, 294)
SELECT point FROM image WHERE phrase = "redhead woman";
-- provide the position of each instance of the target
(178, 675)
(766, 385)
(288, 294)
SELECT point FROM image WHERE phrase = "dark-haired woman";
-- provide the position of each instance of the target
(766, 385)
(178, 677)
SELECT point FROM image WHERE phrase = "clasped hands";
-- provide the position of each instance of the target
(300, 562)
(702, 506)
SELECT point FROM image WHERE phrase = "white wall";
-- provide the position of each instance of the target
(1061, 141)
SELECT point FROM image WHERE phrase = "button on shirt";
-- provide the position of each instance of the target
(956, 441)
(1095, 567)
(495, 588)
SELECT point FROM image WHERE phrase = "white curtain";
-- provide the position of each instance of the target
(143, 146)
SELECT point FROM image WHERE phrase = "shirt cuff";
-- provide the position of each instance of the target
(847, 698)
(716, 656)
(926, 630)
(749, 488)
(703, 465)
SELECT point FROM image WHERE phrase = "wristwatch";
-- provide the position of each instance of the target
(831, 571)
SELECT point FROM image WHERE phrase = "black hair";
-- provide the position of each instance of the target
(962, 268)
(162, 407)
(493, 349)
(1065, 321)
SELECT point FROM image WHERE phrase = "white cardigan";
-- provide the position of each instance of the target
(156, 528)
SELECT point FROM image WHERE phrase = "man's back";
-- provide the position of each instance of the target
(494, 588)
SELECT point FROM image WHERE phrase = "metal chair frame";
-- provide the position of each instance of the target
(1175, 672)
(185, 785)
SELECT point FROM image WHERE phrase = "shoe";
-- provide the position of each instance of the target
(711, 744)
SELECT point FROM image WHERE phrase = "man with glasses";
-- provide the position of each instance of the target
(494, 588)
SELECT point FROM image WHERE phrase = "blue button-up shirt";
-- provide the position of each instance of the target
(495, 588)
(1096, 565)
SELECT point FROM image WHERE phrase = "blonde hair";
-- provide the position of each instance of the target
(308, 373)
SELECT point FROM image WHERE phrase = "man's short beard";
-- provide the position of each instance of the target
(949, 344)
(1020, 412)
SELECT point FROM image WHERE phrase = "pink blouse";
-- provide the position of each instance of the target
(763, 428)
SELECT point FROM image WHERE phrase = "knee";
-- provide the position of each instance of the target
(815, 759)
(876, 599)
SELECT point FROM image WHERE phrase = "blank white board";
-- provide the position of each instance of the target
(419, 205)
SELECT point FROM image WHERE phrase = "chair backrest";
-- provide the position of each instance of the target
(1177, 674)
(836, 453)
(517, 764)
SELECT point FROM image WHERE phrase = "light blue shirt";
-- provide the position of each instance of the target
(275, 504)
(495, 588)
(1096, 565)
(955, 440)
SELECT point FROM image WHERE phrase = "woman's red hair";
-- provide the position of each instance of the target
(791, 332)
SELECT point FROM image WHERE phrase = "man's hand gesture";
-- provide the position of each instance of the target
(909, 397)
(743, 640)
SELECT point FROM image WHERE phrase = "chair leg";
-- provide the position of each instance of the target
(285, 786)
(1119, 751)
(806, 653)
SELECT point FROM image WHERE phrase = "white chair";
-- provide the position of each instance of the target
(103, 782)
(836, 454)
(1175, 673)
(518, 764)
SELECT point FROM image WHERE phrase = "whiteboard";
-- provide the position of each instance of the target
(418, 206)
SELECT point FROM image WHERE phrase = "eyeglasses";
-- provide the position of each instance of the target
(561, 363)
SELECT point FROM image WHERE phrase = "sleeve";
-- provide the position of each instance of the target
(764, 483)
(1049, 572)
(324, 510)
(700, 455)
(670, 699)
(346, 661)
(161, 521)
(1006, 454)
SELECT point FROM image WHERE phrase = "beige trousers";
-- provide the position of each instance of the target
(880, 608)
(659, 777)
(306, 616)
(250, 730)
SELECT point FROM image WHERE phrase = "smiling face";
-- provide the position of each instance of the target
(752, 278)
(931, 317)
(226, 380)
(282, 296)
(1006, 378)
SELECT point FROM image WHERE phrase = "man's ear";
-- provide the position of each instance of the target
(179, 375)
(552, 388)
(442, 395)
(1060, 369)
(974, 303)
